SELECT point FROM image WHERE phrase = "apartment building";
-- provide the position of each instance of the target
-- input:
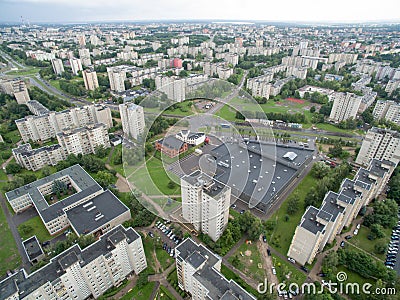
(175, 87)
(260, 86)
(319, 226)
(117, 77)
(392, 85)
(221, 69)
(382, 144)
(388, 110)
(199, 273)
(132, 117)
(90, 79)
(35, 159)
(205, 203)
(58, 66)
(296, 72)
(345, 106)
(348, 58)
(37, 108)
(76, 65)
(90, 210)
(16, 88)
(312, 89)
(84, 56)
(84, 140)
(45, 126)
(81, 274)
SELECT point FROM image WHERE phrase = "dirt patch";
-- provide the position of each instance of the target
(247, 253)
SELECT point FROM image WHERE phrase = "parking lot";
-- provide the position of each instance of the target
(393, 254)
(169, 234)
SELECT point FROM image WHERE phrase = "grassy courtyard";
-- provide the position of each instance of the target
(248, 259)
(36, 228)
(286, 272)
(281, 237)
(9, 256)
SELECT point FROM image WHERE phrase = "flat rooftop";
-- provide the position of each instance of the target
(96, 212)
(210, 185)
(267, 171)
(85, 183)
(309, 221)
(32, 248)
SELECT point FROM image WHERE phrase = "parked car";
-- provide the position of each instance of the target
(355, 232)
(358, 226)
(291, 260)
(342, 244)
(347, 237)
(151, 234)
(273, 271)
(264, 238)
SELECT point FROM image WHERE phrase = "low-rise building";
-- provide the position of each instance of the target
(171, 146)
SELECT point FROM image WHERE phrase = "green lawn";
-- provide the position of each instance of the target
(332, 128)
(227, 113)
(142, 293)
(38, 229)
(229, 274)
(55, 83)
(24, 72)
(158, 178)
(287, 272)
(251, 265)
(164, 258)
(281, 237)
(361, 240)
(9, 256)
(164, 294)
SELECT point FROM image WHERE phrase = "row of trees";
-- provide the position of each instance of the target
(50, 101)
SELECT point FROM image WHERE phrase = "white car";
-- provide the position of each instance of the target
(273, 271)
(355, 232)
(358, 226)
(291, 260)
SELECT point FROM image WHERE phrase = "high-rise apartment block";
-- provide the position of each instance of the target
(84, 140)
(382, 144)
(132, 117)
(117, 77)
(84, 55)
(199, 273)
(45, 126)
(76, 65)
(388, 110)
(90, 80)
(205, 203)
(81, 274)
(16, 88)
(345, 106)
(58, 66)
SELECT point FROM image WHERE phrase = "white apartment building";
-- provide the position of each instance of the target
(260, 86)
(76, 65)
(205, 203)
(35, 159)
(81, 274)
(296, 72)
(345, 106)
(175, 87)
(388, 110)
(117, 77)
(58, 66)
(84, 55)
(199, 273)
(132, 117)
(348, 58)
(221, 69)
(90, 79)
(45, 126)
(37, 108)
(84, 140)
(381, 144)
(319, 226)
(16, 88)
(392, 85)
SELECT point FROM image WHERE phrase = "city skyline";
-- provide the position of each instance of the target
(62, 11)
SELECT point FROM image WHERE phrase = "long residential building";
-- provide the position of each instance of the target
(383, 144)
(16, 88)
(175, 87)
(76, 65)
(35, 159)
(81, 274)
(345, 106)
(58, 66)
(388, 110)
(45, 126)
(132, 117)
(90, 79)
(319, 226)
(205, 203)
(199, 273)
(90, 210)
(84, 140)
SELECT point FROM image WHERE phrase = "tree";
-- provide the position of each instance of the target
(377, 231)
(330, 262)
(25, 229)
(171, 185)
(101, 151)
(293, 204)
(13, 168)
(320, 170)
(255, 229)
(380, 248)
(104, 178)
(312, 109)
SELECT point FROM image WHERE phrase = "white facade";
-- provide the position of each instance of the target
(76, 65)
(382, 144)
(58, 66)
(205, 204)
(132, 117)
(388, 110)
(90, 80)
(117, 77)
(345, 106)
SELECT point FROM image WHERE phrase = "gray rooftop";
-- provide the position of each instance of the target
(210, 186)
(309, 221)
(26, 284)
(171, 142)
(95, 213)
(76, 173)
(32, 248)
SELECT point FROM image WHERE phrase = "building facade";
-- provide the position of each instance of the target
(345, 106)
(90, 80)
(388, 110)
(58, 66)
(132, 117)
(205, 203)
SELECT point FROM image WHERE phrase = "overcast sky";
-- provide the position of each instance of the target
(139, 10)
